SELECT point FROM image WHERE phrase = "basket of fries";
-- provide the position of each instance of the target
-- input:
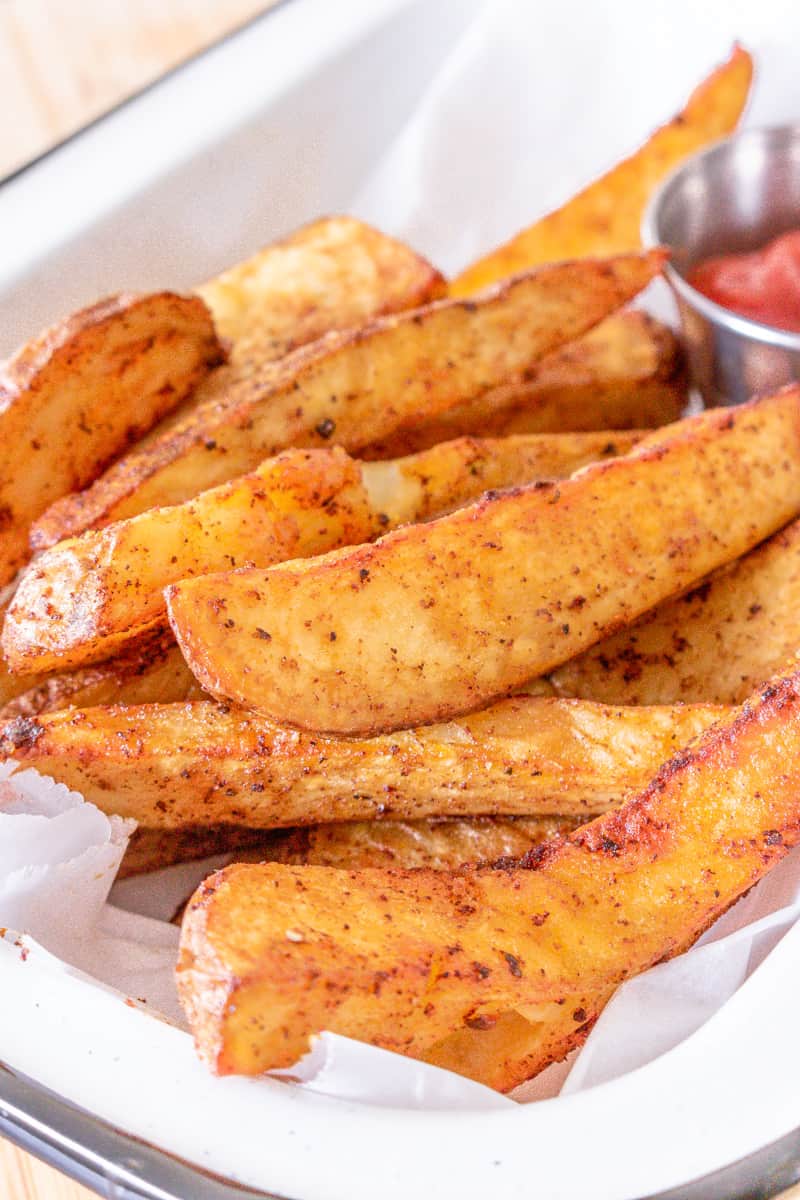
(416, 644)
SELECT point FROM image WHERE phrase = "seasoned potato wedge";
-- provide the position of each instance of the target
(716, 643)
(506, 1051)
(151, 670)
(451, 474)
(86, 597)
(606, 217)
(83, 391)
(153, 849)
(437, 843)
(626, 373)
(271, 954)
(355, 387)
(174, 765)
(331, 274)
(437, 619)
(13, 684)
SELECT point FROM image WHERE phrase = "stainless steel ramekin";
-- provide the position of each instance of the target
(734, 196)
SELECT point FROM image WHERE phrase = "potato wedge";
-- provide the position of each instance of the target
(330, 274)
(626, 373)
(717, 642)
(174, 765)
(511, 1049)
(149, 671)
(354, 387)
(153, 849)
(85, 390)
(451, 474)
(88, 597)
(85, 598)
(271, 954)
(438, 843)
(497, 593)
(606, 217)
(14, 684)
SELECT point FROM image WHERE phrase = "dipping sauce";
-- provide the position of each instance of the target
(763, 285)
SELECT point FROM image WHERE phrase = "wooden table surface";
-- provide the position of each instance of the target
(62, 63)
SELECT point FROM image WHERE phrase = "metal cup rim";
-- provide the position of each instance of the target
(717, 314)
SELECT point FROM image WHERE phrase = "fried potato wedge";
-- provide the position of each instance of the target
(88, 596)
(330, 274)
(451, 474)
(434, 620)
(151, 670)
(354, 387)
(153, 849)
(510, 1049)
(13, 684)
(606, 217)
(717, 642)
(187, 764)
(438, 844)
(74, 398)
(626, 373)
(271, 954)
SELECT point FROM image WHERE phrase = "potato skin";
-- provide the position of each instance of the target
(628, 372)
(350, 388)
(173, 765)
(606, 217)
(715, 643)
(439, 619)
(271, 954)
(85, 390)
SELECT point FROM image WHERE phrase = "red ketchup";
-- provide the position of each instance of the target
(763, 285)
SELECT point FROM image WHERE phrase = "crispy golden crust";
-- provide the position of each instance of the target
(149, 671)
(271, 954)
(498, 592)
(353, 387)
(189, 764)
(438, 843)
(716, 643)
(152, 849)
(330, 274)
(87, 597)
(81, 393)
(507, 1051)
(626, 373)
(451, 474)
(606, 217)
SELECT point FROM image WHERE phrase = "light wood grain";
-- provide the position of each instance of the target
(23, 1177)
(63, 62)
